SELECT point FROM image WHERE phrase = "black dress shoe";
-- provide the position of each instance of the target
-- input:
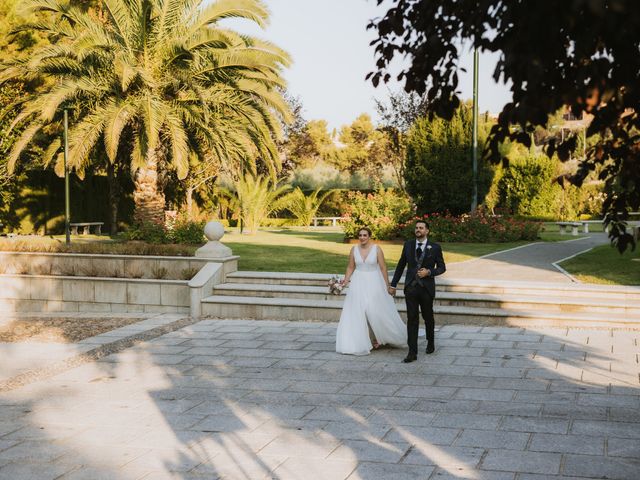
(409, 358)
(430, 347)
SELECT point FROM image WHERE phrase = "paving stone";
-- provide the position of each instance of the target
(370, 450)
(602, 467)
(546, 397)
(356, 430)
(296, 444)
(444, 457)
(458, 473)
(574, 411)
(337, 414)
(34, 471)
(320, 469)
(485, 394)
(324, 400)
(317, 387)
(623, 401)
(516, 461)
(596, 428)
(399, 403)
(547, 442)
(227, 423)
(370, 389)
(469, 382)
(106, 473)
(509, 408)
(401, 417)
(385, 471)
(464, 420)
(530, 424)
(35, 452)
(446, 406)
(419, 391)
(422, 435)
(623, 447)
(492, 439)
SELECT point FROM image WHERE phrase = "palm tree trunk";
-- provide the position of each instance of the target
(149, 200)
(190, 201)
(114, 198)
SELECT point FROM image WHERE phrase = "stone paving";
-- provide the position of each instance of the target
(271, 400)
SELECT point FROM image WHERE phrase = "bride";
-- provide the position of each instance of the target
(368, 303)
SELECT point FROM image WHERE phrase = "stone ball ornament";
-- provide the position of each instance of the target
(214, 231)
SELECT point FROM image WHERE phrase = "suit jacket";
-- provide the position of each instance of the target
(432, 260)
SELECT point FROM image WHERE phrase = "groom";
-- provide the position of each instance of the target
(424, 260)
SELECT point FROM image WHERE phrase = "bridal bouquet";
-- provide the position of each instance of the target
(335, 285)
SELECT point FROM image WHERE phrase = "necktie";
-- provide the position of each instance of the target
(419, 250)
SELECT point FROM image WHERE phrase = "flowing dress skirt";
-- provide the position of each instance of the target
(368, 304)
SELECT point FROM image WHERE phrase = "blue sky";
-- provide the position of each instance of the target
(329, 44)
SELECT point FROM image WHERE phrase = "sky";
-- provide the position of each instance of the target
(329, 44)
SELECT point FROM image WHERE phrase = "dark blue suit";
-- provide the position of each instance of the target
(419, 292)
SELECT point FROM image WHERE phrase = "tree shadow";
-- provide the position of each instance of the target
(265, 399)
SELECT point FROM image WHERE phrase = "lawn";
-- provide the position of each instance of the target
(605, 265)
(314, 251)
(275, 249)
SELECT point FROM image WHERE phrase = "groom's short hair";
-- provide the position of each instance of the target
(426, 224)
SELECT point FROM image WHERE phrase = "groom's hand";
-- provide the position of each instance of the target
(392, 291)
(423, 272)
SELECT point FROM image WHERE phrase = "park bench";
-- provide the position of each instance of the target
(574, 227)
(334, 220)
(86, 227)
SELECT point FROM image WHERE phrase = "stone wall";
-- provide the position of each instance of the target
(116, 266)
(42, 293)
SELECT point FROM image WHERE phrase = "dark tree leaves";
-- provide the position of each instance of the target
(582, 54)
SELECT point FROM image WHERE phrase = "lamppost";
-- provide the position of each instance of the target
(474, 132)
(67, 211)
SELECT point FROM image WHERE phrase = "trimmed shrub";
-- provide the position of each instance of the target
(149, 232)
(187, 232)
(380, 211)
(476, 228)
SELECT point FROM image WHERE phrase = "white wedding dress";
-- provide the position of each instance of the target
(368, 304)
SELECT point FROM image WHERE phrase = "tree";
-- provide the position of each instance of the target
(304, 207)
(254, 199)
(581, 54)
(438, 172)
(163, 74)
(396, 118)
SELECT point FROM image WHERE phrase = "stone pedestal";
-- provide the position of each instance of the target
(214, 231)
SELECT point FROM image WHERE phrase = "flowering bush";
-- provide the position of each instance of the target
(476, 228)
(380, 211)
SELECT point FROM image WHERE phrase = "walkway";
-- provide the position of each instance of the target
(252, 400)
(530, 263)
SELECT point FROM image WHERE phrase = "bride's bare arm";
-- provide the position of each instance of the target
(383, 266)
(351, 266)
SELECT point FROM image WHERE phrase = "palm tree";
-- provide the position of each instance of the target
(254, 199)
(162, 73)
(304, 207)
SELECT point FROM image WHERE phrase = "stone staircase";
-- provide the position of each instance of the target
(304, 296)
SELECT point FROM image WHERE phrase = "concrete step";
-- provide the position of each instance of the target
(573, 290)
(532, 303)
(246, 307)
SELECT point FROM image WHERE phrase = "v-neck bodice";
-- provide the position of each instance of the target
(366, 264)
